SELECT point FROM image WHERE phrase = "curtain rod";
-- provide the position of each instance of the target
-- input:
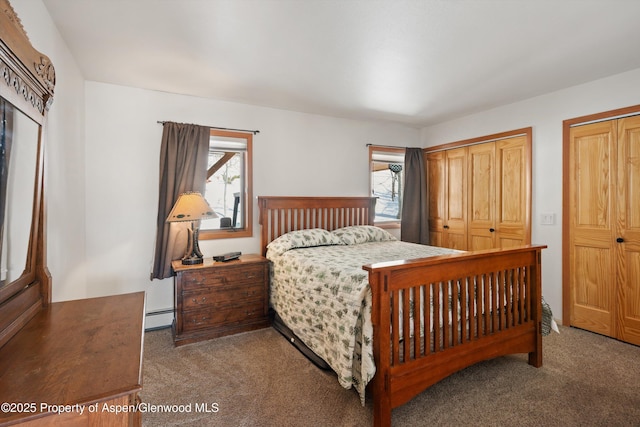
(388, 146)
(216, 127)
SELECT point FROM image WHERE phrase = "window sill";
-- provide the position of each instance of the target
(388, 225)
(223, 234)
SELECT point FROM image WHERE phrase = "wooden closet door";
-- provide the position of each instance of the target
(512, 220)
(628, 229)
(446, 171)
(455, 228)
(482, 199)
(436, 182)
(592, 163)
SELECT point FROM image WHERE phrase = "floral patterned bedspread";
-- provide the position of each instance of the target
(323, 295)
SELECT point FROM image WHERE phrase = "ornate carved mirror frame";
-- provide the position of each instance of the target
(26, 89)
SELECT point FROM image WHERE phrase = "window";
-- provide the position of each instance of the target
(229, 185)
(387, 183)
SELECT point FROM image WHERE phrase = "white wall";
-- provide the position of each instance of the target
(102, 181)
(294, 154)
(545, 114)
(102, 169)
(64, 167)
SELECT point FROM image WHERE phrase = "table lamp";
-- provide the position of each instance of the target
(191, 206)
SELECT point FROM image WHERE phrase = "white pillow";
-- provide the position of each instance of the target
(303, 239)
(356, 234)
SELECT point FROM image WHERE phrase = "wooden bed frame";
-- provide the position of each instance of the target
(508, 280)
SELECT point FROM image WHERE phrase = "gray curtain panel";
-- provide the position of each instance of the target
(415, 224)
(183, 167)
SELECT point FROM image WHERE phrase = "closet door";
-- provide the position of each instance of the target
(436, 182)
(455, 227)
(447, 172)
(592, 163)
(604, 252)
(513, 198)
(480, 192)
(482, 196)
(627, 228)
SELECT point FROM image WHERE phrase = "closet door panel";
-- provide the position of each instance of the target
(630, 296)
(482, 197)
(436, 182)
(456, 199)
(593, 294)
(628, 229)
(507, 242)
(591, 247)
(512, 222)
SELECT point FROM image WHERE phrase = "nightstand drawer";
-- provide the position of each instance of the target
(221, 296)
(214, 299)
(201, 319)
(222, 277)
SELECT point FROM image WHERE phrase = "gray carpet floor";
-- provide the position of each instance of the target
(259, 379)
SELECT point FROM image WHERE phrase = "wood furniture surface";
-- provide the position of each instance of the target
(480, 192)
(76, 353)
(279, 215)
(447, 180)
(604, 228)
(82, 352)
(27, 90)
(500, 312)
(214, 299)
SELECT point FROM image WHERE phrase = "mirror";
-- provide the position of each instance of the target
(26, 93)
(18, 164)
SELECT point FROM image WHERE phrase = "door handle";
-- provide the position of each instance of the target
(445, 226)
(492, 230)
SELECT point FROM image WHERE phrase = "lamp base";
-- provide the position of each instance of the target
(191, 260)
(193, 254)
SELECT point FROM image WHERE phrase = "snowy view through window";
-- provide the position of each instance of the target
(226, 182)
(387, 181)
(222, 189)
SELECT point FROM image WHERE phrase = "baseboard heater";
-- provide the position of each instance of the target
(158, 313)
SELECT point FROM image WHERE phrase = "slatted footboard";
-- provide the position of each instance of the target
(435, 316)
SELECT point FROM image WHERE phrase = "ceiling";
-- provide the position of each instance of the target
(416, 62)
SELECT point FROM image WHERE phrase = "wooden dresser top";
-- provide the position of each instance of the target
(75, 352)
(208, 263)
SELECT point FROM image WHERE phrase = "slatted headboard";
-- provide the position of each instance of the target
(280, 215)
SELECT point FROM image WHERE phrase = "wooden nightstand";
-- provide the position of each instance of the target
(214, 299)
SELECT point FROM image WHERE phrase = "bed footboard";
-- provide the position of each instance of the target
(435, 316)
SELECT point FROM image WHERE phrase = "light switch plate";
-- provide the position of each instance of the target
(548, 218)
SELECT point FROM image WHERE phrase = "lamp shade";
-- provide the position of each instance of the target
(191, 206)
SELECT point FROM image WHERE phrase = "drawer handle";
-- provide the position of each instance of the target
(201, 301)
(250, 293)
(249, 313)
(197, 322)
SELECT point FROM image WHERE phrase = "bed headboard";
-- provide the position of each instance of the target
(280, 215)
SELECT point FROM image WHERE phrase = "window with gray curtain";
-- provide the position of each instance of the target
(183, 167)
